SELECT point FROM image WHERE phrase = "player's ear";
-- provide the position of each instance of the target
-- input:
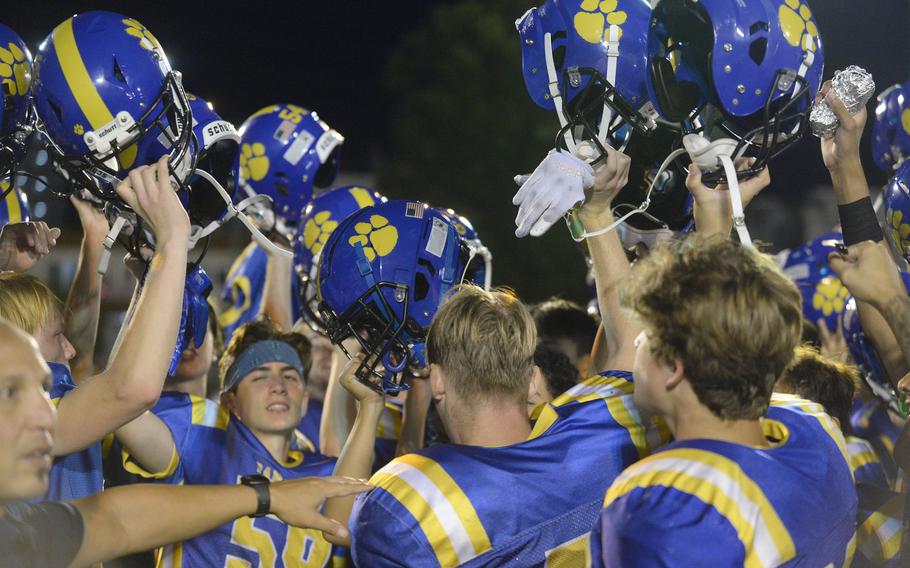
(676, 373)
(437, 382)
(229, 400)
(537, 388)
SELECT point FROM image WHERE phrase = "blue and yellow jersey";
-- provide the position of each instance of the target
(451, 505)
(879, 513)
(714, 503)
(81, 473)
(244, 289)
(212, 448)
(872, 422)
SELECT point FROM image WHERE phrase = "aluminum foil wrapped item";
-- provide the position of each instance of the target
(854, 86)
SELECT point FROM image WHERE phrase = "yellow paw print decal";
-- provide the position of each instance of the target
(14, 71)
(797, 25)
(78, 129)
(594, 21)
(137, 30)
(900, 231)
(830, 296)
(254, 164)
(377, 237)
(317, 231)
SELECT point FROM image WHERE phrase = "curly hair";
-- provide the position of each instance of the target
(726, 311)
(262, 330)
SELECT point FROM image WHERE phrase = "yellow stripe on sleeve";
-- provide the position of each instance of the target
(421, 510)
(14, 211)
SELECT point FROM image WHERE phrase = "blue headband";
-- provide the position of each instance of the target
(259, 354)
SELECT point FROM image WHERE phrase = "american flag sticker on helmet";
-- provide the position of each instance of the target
(414, 209)
(284, 131)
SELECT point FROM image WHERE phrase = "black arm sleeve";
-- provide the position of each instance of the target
(859, 223)
(46, 534)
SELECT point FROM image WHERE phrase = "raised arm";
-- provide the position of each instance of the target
(118, 521)
(611, 266)
(83, 303)
(132, 382)
(356, 458)
(277, 303)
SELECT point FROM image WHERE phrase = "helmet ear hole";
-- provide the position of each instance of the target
(326, 173)
(421, 286)
(758, 49)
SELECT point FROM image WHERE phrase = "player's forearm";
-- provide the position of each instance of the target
(141, 363)
(713, 218)
(878, 331)
(611, 270)
(414, 422)
(83, 308)
(335, 424)
(356, 460)
(277, 304)
(118, 520)
(849, 182)
(896, 311)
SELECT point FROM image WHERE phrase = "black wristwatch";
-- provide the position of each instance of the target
(260, 484)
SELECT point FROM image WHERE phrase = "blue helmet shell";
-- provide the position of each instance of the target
(483, 272)
(891, 128)
(13, 205)
(742, 58)
(382, 275)
(897, 210)
(320, 218)
(15, 82)
(285, 151)
(106, 95)
(824, 295)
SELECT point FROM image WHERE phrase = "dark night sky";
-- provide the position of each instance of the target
(330, 56)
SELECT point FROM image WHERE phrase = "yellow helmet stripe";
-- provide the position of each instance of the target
(12, 207)
(362, 197)
(82, 86)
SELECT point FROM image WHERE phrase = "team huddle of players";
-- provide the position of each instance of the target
(678, 424)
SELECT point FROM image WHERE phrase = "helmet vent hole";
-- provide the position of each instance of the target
(758, 49)
(421, 286)
(282, 189)
(759, 27)
(118, 72)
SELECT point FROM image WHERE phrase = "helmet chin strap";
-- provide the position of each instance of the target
(612, 66)
(555, 96)
(237, 211)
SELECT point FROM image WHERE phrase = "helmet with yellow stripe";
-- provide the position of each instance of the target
(109, 101)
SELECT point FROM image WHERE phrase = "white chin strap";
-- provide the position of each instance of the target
(612, 66)
(553, 84)
(736, 201)
(109, 242)
(237, 211)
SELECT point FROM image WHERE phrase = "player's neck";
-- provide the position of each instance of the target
(491, 424)
(194, 387)
(698, 422)
(278, 445)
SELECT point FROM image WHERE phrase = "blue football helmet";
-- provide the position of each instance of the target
(194, 317)
(466, 231)
(320, 218)
(749, 69)
(13, 205)
(109, 101)
(285, 151)
(587, 59)
(382, 275)
(824, 295)
(16, 117)
(897, 211)
(891, 128)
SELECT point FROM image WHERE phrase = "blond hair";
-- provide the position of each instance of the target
(26, 301)
(484, 341)
(726, 311)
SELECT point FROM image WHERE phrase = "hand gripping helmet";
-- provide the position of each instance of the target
(285, 151)
(897, 211)
(824, 295)
(109, 101)
(15, 100)
(13, 205)
(587, 59)
(756, 64)
(466, 231)
(382, 275)
(891, 128)
(320, 218)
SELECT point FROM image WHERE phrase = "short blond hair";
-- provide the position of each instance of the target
(26, 301)
(484, 341)
(726, 311)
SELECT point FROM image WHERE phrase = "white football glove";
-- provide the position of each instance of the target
(555, 187)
